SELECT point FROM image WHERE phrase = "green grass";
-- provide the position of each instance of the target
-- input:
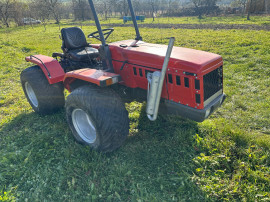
(225, 157)
(255, 20)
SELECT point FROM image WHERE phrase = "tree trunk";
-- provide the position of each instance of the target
(248, 15)
(249, 9)
(106, 11)
(153, 11)
(7, 24)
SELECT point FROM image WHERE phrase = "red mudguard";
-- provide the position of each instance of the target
(94, 76)
(50, 66)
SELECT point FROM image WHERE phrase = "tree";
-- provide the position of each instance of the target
(47, 8)
(240, 3)
(39, 10)
(198, 5)
(249, 8)
(153, 6)
(123, 7)
(81, 10)
(5, 11)
(205, 7)
(18, 10)
(53, 7)
(103, 7)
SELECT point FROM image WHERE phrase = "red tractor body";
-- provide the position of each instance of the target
(173, 80)
(193, 80)
(186, 67)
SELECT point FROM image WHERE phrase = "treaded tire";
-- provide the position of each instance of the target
(107, 113)
(44, 98)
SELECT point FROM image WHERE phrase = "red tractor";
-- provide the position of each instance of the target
(172, 80)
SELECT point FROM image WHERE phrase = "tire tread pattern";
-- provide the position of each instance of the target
(108, 112)
(50, 96)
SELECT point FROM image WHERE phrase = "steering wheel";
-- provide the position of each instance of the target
(106, 32)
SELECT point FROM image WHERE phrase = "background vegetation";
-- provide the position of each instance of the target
(15, 11)
(224, 158)
(207, 20)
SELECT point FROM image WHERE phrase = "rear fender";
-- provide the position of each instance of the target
(94, 76)
(50, 67)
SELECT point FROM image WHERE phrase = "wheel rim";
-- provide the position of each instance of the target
(31, 94)
(84, 126)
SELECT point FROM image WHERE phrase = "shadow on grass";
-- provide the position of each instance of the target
(40, 158)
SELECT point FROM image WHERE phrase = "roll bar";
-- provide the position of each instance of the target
(97, 22)
(107, 59)
(104, 48)
(138, 36)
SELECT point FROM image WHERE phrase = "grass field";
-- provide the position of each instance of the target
(224, 158)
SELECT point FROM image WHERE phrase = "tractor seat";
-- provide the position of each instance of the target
(75, 45)
(82, 54)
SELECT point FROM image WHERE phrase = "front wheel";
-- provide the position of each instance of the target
(97, 117)
(44, 98)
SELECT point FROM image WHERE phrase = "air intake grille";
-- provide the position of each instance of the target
(212, 82)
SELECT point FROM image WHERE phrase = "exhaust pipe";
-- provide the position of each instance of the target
(155, 83)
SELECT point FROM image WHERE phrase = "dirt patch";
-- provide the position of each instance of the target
(195, 26)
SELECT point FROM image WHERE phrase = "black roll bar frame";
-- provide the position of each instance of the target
(138, 36)
(107, 59)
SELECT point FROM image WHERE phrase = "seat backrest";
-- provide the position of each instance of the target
(73, 38)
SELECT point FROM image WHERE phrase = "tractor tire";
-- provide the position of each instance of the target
(44, 98)
(97, 117)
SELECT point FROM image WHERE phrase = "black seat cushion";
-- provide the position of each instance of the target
(83, 54)
(76, 46)
(73, 38)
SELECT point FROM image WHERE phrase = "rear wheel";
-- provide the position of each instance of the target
(44, 98)
(97, 117)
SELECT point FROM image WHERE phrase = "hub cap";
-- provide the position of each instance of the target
(31, 94)
(84, 126)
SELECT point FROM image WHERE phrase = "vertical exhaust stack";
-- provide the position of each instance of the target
(155, 81)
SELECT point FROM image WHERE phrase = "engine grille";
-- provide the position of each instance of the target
(212, 82)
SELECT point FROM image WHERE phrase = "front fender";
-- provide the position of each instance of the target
(50, 67)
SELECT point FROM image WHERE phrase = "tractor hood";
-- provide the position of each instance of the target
(152, 55)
